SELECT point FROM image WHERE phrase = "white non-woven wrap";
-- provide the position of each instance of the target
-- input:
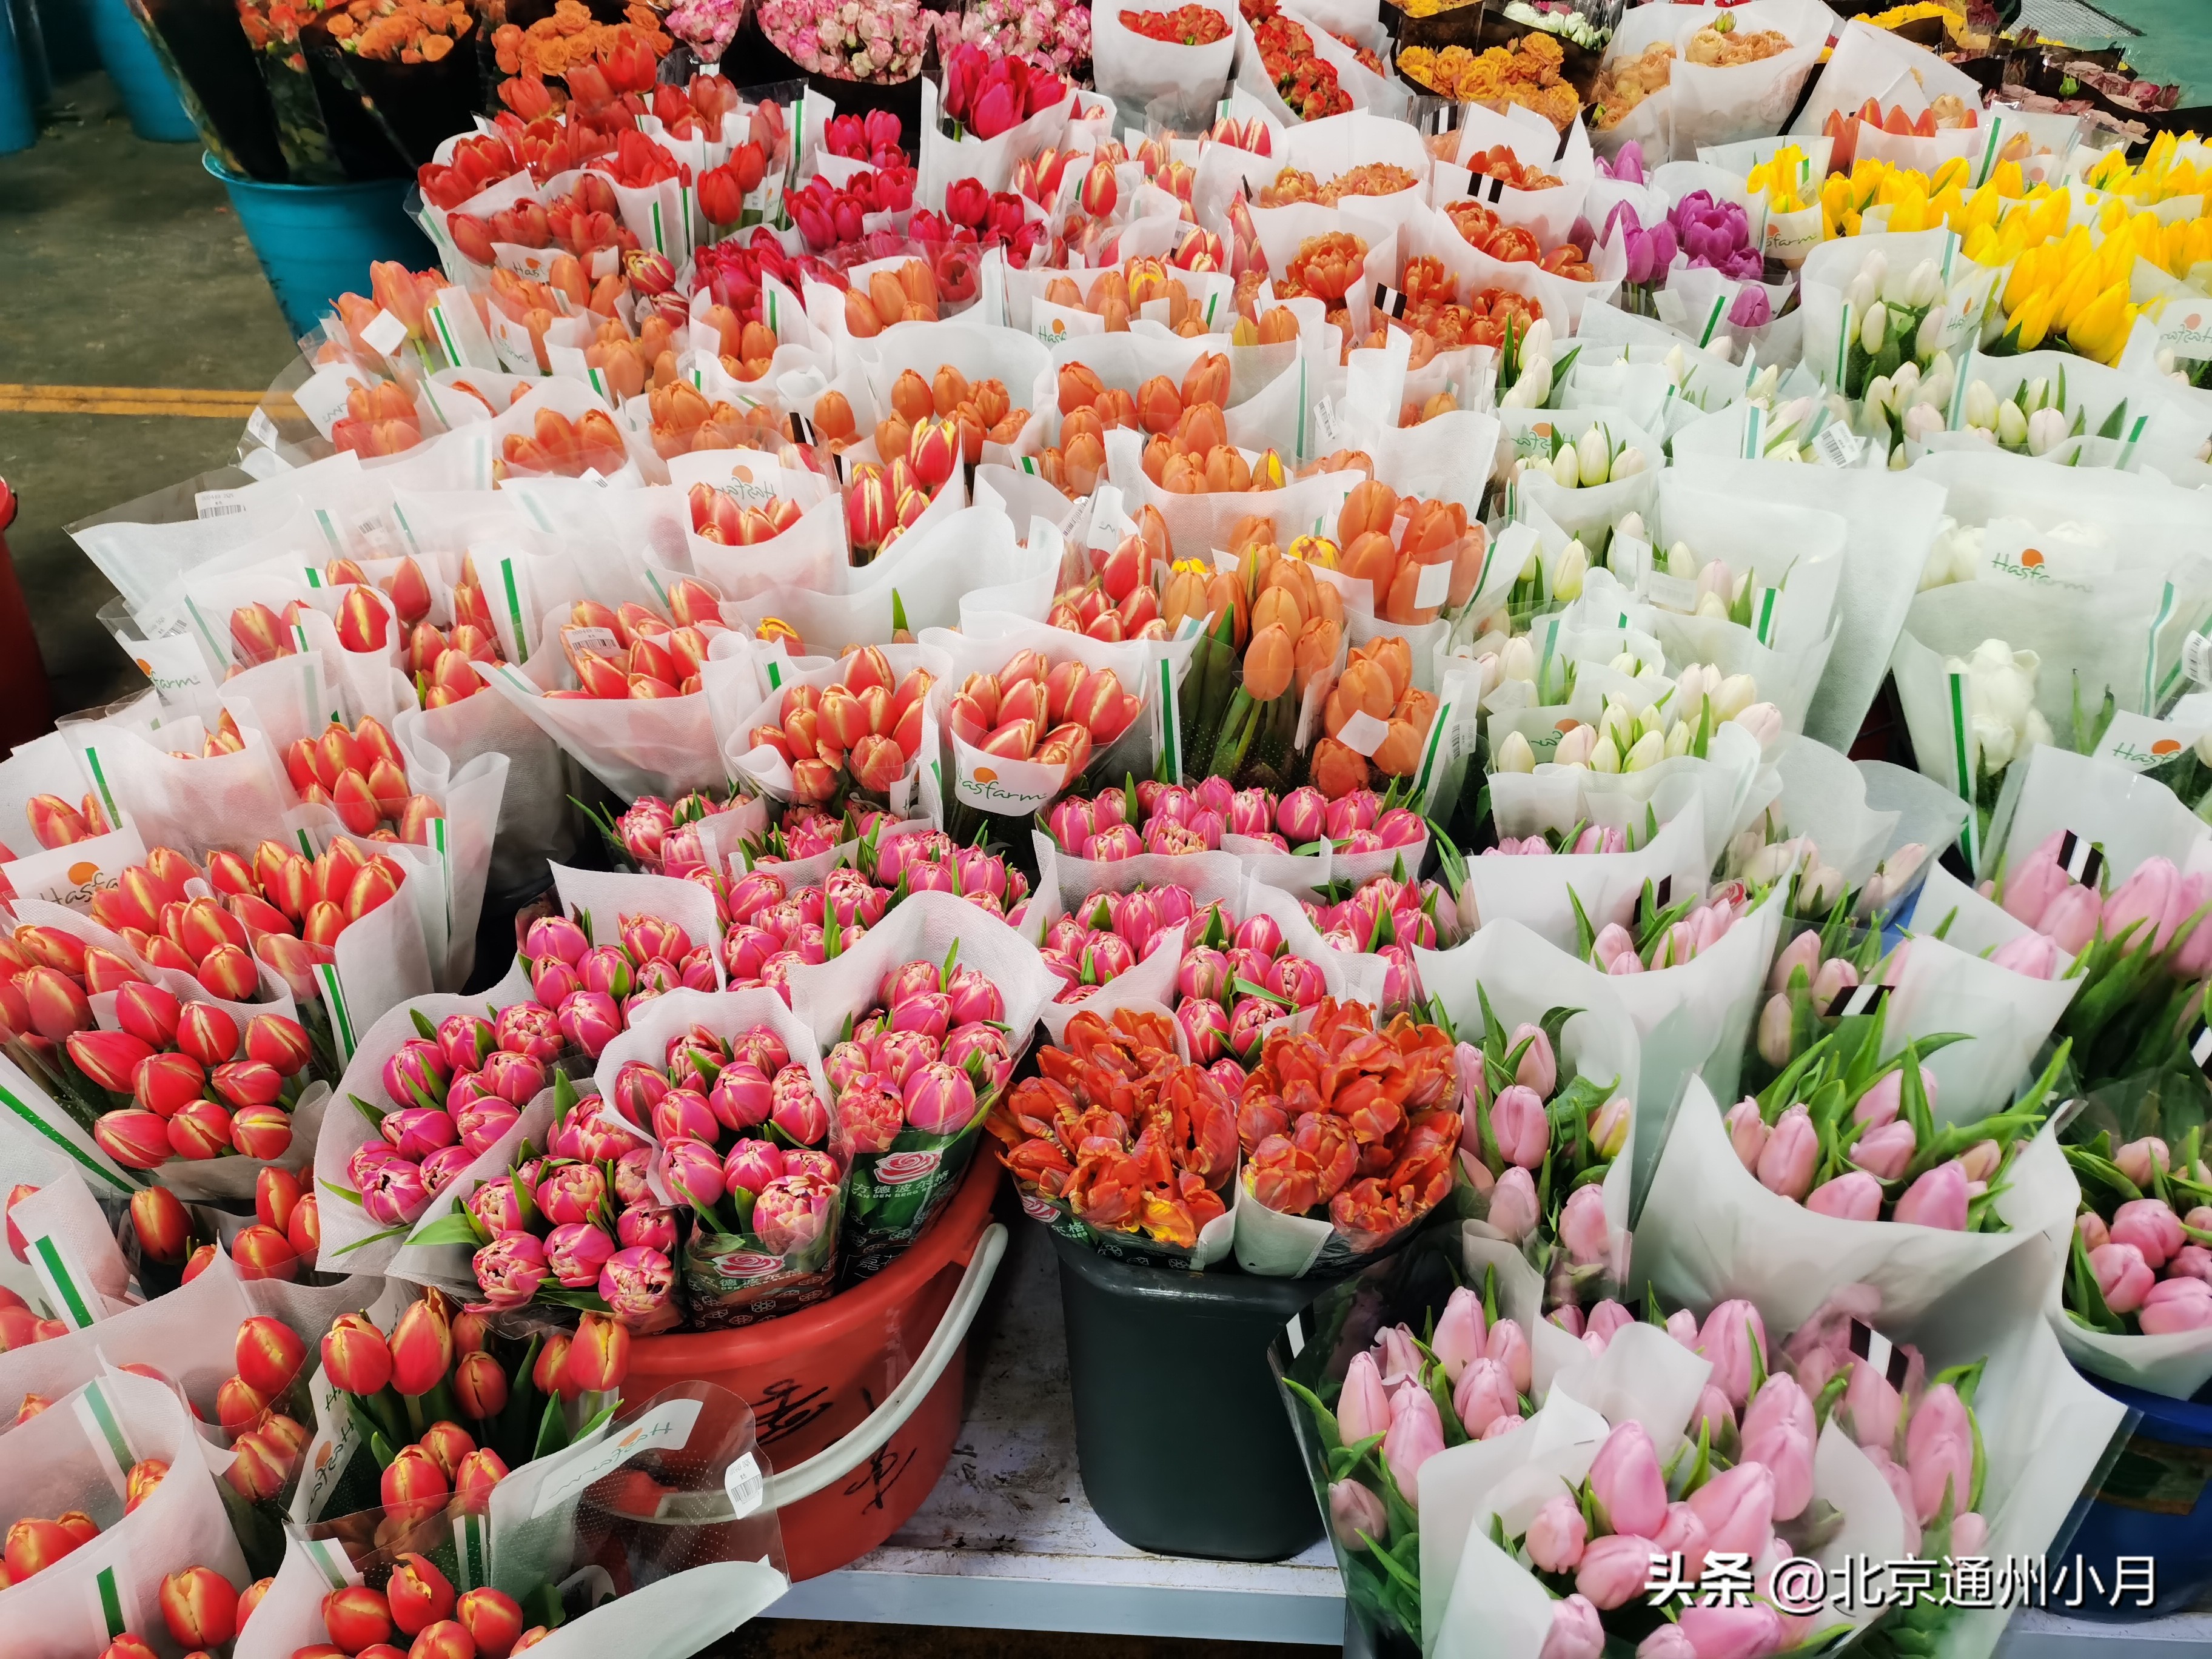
(1532, 889)
(1134, 70)
(1710, 1231)
(1870, 63)
(74, 1456)
(1891, 521)
(2131, 817)
(1950, 985)
(1556, 798)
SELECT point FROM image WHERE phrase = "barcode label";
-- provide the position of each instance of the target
(1839, 446)
(2197, 658)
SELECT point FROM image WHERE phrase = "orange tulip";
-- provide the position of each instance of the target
(1337, 770)
(1267, 663)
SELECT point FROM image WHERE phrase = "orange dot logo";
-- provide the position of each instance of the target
(1059, 325)
(985, 774)
(83, 872)
(2166, 746)
(2031, 559)
(1542, 429)
(144, 667)
(2194, 319)
(742, 474)
(1566, 726)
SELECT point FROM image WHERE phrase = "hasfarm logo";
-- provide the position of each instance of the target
(79, 883)
(2155, 753)
(985, 774)
(2030, 565)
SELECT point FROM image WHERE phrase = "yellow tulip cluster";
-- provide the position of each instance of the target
(1995, 221)
(2074, 288)
(1785, 179)
(2161, 174)
(2177, 248)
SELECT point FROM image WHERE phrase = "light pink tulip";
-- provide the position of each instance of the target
(1615, 1569)
(1503, 1425)
(1732, 1632)
(1885, 1153)
(1513, 1210)
(2091, 1226)
(1778, 1430)
(2191, 1262)
(1853, 1196)
(2144, 901)
(1364, 1407)
(1787, 1161)
(1668, 1642)
(1353, 1510)
(1730, 1331)
(1457, 1343)
(1583, 1227)
(1556, 1536)
(1835, 977)
(1416, 1434)
(1901, 1487)
(1576, 1631)
(2034, 955)
(1715, 1415)
(1802, 951)
(1871, 1407)
(2029, 890)
(1970, 1535)
(1737, 1509)
(1613, 939)
(2149, 1225)
(1539, 1069)
(1508, 1343)
(2138, 1158)
(1747, 1132)
(1682, 1326)
(1683, 1533)
(1938, 1449)
(1606, 1318)
(2124, 1277)
(1938, 1199)
(1520, 1124)
(1625, 1479)
(1773, 1037)
(2176, 1305)
(2071, 921)
(1484, 1394)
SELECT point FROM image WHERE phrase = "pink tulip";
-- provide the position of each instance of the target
(1416, 1434)
(1970, 1535)
(1856, 1196)
(1872, 1406)
(1835, 977)
(1744, 1632)
(1747, 1132)
(1503, 1425)
(1682, 1326)
(1396, 1355)
(1778, 1430)
(1613, 940)
(1576, 1631)
(1513, 1209)
(1802, 951)
(1881, 1102)
(2072, 919)
(1625, 1479)
(2124, 1277)
(1938, 1199)
(1980, 1161)
(2145, 901)
(1606, 1318)
(1737, 1509)
(1668, 1642)
(1938, 1449)
(2091, 1226)
(1683, 1533)
(2029, 891)
(1885, 1153)
(1508, 1343)
(1538, 1068)
(1583, 1227)
(1484, 1394)
(2176, 1305)
(2138, 1158)
(1714, 1414)
(2191, 1262)
(1520, 1124)
(1773, 1036)
(1726, 1342)
(1363, 1409)
(2032, 955)
(1615, 1569)
(2149, 1225)
(1557, 1536)
(1901, 1487)
(1791, 1152)
(1353, 1510)
(2192, 959)
(1458, 1339)
(1568, 1318)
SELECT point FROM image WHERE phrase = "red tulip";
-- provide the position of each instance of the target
(261, 1252)
(164, 1228)
(274, 1192)
(108, 1058)
(421, 1348)
(207, 1033)
(56, 1006)
(200, 1607)
(34, 1544)
(479, 1472)
(237, 1403)
(200, 1130)
(357, 1617)
(414, 1487)
(134, 1139)
(262, 1133)
(304, 1233)
(418, 1594)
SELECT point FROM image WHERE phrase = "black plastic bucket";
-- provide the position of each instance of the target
(1210, 1468)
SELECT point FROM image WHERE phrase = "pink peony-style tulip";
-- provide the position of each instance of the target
(1938, 1199)
(2124, 1278)
(2149, 1225)
(1779, 1431)
(1615, 1569)
(2137, 1160)
(1555, 1537)
(1363, 1409)
(2176, 1305)
(2191, 1262)
(1626, 1480)
(1416, 1434)
(1576, 1631)
(1791, 1153)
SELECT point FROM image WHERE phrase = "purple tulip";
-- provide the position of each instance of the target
(1751, 309)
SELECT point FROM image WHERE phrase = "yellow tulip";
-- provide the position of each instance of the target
(2031, 320)
(2101, 328)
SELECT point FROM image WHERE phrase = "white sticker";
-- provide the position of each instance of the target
(1629, 558)
(383, 335)
(1325, 423)
(668, 1426)
(1433, 584)
(1669, 593)
(2196, 658)
(568, 361)
(261, 428)
(218, 503)
(322, 396)
(1362, 734)
(743, 1485)
(1837, 445)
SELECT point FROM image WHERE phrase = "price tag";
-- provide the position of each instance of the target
(261, 428)
(217, 503)
(1432, 585)
(600, 640)
(1630, 558)
(743, 1485)
(1858, 999)
(2196, 658)
(385, 335)
(2081, 859)
(1362, 734)
(322, 398)
(1326, 425)
(1839, 446)
(1669, 593)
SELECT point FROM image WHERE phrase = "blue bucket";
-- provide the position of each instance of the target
(2153, 1502)
(151, 102)
(18, 121)
(316, 241)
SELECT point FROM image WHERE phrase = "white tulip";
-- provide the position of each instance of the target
(1649, 750)
(1534, 384)
(1576, 744)
(1874, 329)
(1679, 738)
(1879, 392)
(1982, 406)
(1536, 343)
(1567, 574)
(2000, 682)
(1618, 722)
(2046, 430)
(1931, 331)
(1488, 674)
(2034, 730)
(1514, 755)
(1763, 384)
(1723, 346)
(1529, 566)
(1650, 719)
(1712, 604)
(1594, 455)
(1903, 386)
(2034, 395)
(1922, 419)
(1819, 888)
(1605, 758)
(1632, 526)
(1899, 460)
(1678, 365)
(1771, 862)
(2165, 360)
(1565, 472)
(1628, 463)
(1996, 742)
(1735, 693)
(2204, 749)
(1680, 561)
(1793, 414)
(1764, 721)
(1693, 684)
(1790, 453)
(1937, 384)
(1517, 661)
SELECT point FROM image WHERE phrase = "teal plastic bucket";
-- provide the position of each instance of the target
(18, 121)
(151, 102)
(316, 241)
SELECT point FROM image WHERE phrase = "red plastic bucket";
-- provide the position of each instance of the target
(824, 1383)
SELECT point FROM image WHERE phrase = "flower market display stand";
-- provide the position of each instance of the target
(1008, 1541)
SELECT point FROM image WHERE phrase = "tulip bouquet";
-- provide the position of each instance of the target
(985, 97)
(596, 991)
(1109, 933)
(662, 837)
(1121, 1145)
(1120, 292)
(1812, 975)
(773, 927)
(746, 1141)
(594, 1166)
(447, 1403)
(1023, 734)
(417, 1603)
(1885, 324)
(1583, 462)
(2137, 1264)
(943, 422)
(1666, 937)
(1306, 82)
(635, 652)
(1241, 719)
(1371, 1159)
(863, 731)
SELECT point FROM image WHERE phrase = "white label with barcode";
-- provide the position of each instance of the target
(1325, 423)
(1362, 734)
(601, 640)
(743, 1484)
(217, 503)
(2197, 658)
(261, 428)
(1839, 446)
(1671, 593)
(385, 334)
